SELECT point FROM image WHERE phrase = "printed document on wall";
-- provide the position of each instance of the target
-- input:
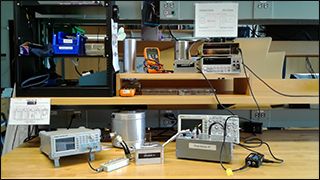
(29, 111)
(216, 19)
(115, 56)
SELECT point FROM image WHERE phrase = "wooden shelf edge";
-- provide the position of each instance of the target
(177, 76)
(181, 100)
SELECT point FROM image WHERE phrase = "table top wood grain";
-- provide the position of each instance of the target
(299, 149)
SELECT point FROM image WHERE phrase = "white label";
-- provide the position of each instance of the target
(203, 146)
(126, 91)
(66, 47)
(67, 41)
(29, 111)
(216, 19)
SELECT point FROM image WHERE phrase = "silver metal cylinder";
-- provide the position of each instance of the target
(181, 50)
(130, 125)
(130, 54)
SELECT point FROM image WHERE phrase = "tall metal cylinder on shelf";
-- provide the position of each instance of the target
(130, 125)
(130, 54)
(181, 50)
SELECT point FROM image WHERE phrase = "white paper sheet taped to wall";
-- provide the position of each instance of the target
(216, 19)
(29, 111)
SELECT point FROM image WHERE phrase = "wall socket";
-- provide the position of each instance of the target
(166, 122)
(264, 115)
(263, 9)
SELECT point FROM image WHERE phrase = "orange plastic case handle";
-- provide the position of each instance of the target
(127, 92)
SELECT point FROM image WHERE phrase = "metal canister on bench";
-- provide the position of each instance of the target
(130, 125)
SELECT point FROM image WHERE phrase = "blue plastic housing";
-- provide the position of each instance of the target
(68, 44)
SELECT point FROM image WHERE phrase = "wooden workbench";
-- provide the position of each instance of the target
(299, 149)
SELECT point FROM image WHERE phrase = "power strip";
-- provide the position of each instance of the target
(115, 164)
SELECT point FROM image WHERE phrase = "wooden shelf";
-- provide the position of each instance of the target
(182, 100)
(177, 76)
(263, 95)
(185, 81)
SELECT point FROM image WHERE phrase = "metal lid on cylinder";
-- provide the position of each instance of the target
(130, 125)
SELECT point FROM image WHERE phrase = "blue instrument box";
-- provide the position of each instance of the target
(69, 44)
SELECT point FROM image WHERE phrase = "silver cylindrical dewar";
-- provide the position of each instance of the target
(130, 125)
(181, 50)
(130, 54)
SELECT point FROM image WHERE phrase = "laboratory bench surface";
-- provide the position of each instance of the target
(298, 148)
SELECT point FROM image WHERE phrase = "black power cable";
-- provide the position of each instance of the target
(14, 136)
(76, 68)
(211, 125)
(30, 136)
(259, 143)
(222, 146)
(171, 34)
(73, 116)
(274, 90)
(279, 161)
(310, 68)
(197, 129)
(253, 140)
(94, 169)
(254, 31)
(214, 92)
(126, 149)
(249, 85)
(217, 99)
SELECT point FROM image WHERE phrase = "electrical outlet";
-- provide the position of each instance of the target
(165, 121)
(264, 115)
(169, 9)
(77, 115)
(263, 9)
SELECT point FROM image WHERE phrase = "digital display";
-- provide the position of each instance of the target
(152, 53)
(190, 123)
(211, 61)
(65, 144)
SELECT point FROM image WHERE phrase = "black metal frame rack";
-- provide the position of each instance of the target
(30, 27)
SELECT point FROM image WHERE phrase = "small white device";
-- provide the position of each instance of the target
(149, 153)
(69, 142)
(115, 164)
